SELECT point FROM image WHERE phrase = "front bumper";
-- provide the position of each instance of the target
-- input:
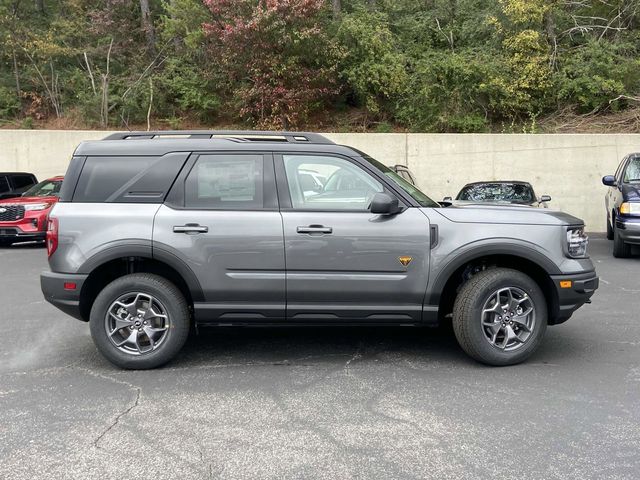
(66, 299)
(17, 235)
(583, 286)
(629, 229)
(29, 228)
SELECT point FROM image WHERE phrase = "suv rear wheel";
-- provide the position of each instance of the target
(139, 321)
(500, 316)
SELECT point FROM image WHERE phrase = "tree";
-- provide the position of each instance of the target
(147, 26)
(276, 55)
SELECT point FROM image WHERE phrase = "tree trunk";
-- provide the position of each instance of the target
(550, 27)
(147, 26)
(16, 74)
(177, 40)
(337, 7)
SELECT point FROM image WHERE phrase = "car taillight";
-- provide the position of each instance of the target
(52, 236)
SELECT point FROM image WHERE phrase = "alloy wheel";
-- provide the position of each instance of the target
(508, 318)
(137, 323)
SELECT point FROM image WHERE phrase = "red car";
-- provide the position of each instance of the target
(24, 218)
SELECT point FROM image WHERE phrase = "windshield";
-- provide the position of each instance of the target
(48, 188)
(412, 190)
(497, 192)
(632, 173)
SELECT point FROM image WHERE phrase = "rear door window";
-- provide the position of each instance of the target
(4, 184)
(226, 182)
(22, 182)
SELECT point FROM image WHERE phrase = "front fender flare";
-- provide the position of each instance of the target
(484, 248)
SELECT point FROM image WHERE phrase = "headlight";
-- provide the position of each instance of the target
(630, 208)
(34, 207)
(577, 242)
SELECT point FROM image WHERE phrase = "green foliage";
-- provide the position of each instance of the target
(371, 64)
(182, 22)
(9, 102)
(385, 65)
(189, 89)
(448, 92)
(598, 73)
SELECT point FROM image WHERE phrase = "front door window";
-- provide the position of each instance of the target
(328, 183)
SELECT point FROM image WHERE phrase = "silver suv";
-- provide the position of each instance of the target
(158, 231)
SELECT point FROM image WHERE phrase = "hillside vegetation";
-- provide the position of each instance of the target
(361, 65)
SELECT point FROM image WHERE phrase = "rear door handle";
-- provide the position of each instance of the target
(315, 229)
(190, 229)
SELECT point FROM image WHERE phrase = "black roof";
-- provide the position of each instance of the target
(163, 142)
(17, 173)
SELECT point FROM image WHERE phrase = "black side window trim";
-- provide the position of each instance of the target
(176, 197)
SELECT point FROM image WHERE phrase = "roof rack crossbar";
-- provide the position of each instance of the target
(248, 135)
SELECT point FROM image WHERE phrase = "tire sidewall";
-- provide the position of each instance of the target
(486, 352)
(620, 249)
(178, 321)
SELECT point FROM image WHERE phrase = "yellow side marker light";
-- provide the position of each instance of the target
(566, 283)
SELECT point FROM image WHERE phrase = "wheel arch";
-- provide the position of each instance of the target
(524, 259)
(114, 266)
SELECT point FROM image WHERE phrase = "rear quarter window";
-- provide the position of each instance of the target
(127, 179)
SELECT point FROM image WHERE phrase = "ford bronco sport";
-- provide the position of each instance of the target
(156, 231)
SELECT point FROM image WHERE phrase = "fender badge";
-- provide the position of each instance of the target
(405, 260)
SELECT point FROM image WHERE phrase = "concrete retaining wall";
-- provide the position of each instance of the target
(567, 167)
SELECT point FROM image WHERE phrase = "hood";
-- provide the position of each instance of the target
(631, 192)
(516, 215)
(25, 200)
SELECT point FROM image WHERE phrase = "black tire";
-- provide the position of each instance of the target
(467, 316)
(620, 249)
(609, 229)
(176, 308)
(5, 243)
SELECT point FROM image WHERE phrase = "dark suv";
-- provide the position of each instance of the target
(14, 184)
(154, 231)
(623, 206)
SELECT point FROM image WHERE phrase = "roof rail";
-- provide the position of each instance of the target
(242, 135)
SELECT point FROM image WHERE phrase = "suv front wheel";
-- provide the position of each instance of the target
(620, 248)
(139, 321)
(500, 316)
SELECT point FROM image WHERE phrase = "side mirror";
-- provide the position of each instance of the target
(609, 180)
(545, 198)
(383, 204)
(447, 199)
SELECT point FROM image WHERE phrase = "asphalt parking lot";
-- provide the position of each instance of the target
(320, 403)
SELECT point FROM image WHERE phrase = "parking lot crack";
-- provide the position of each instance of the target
(117, 419)
(356, 356)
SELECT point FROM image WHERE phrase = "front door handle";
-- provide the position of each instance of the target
(190, 229)
(315, 229)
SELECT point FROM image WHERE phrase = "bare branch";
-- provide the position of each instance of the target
(93, 82)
